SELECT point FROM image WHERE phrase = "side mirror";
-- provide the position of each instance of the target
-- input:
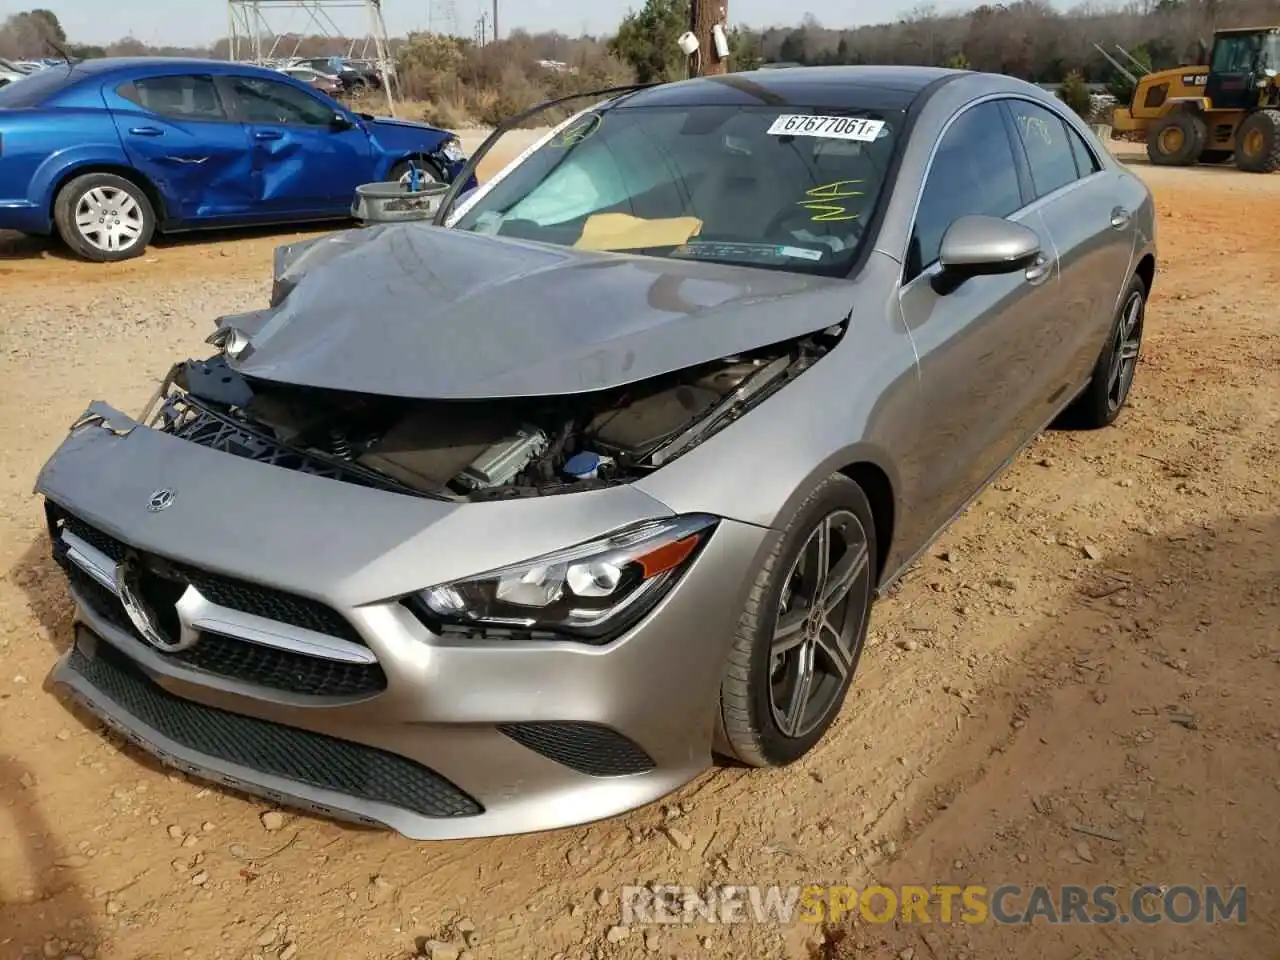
(985, 246)
(340, 122)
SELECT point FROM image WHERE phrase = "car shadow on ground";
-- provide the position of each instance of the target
(17, 246)
(1133, 695)
(43, 910)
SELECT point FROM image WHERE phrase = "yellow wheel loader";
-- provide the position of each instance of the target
(1228, 110)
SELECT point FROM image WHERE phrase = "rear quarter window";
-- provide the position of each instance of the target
(35, 89)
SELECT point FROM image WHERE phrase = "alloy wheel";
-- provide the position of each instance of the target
(819, 625)
(425, 176)
(1124, 352)
(109, 219)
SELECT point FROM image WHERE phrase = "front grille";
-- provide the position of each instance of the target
(162, 584)
(300, 756)
(265, 602)
(281, 669)
(588, 748)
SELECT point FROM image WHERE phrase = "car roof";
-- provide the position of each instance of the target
(107, 65)
(872, 87)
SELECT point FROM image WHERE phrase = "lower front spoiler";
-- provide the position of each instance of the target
(333, 778)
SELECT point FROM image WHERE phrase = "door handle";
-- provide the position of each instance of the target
(1038, 272)
(146, 131)
(1120, 218)
(267, 135)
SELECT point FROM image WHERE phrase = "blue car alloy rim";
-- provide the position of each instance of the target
(818, 631)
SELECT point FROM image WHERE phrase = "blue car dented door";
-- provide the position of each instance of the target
(177, 132)
(307, 156)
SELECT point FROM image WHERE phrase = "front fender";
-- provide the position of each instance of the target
(393, 144)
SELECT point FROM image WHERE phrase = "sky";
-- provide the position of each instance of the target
(197, 22)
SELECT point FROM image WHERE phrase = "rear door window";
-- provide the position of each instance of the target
(1049, 151)
(182, 96)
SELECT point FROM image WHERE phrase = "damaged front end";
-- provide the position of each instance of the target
(471, 450)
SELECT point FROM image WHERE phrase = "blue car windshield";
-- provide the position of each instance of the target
(786, 188)
(33, 89)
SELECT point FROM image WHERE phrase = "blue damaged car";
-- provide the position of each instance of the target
(106, 153)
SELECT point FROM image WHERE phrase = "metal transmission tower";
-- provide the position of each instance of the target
(254, 37)
(442, 17)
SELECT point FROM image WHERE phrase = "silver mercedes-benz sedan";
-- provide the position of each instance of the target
(516, 520)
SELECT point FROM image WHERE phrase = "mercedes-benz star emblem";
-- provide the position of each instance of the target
(161, 499)
(136, 608)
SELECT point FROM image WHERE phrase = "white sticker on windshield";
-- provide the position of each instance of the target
(835, 128)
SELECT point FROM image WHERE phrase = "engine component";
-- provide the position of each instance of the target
(759, 381)
(586, 465)
(339, 445)
(647, 422)
(502, 462)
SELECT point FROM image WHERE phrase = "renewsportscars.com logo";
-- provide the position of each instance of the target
(940, 903)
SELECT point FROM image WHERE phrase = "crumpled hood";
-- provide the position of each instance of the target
(412, 310)
(395, 124)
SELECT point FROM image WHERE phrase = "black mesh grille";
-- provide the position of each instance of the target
(586, 747)
(219, 655)
(281, 669)
(300, 756)
(266, 602)
(108, 544)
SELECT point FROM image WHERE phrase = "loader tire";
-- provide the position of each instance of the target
(1258, 142)
(1176, 139)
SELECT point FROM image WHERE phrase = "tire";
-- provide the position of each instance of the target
(1176, 139)
(1258, 142)
(93, 237)
(427, 167)
(755, 684)
(1216, 156)
(1109, 387)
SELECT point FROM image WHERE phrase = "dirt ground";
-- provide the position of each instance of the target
(1077, 685)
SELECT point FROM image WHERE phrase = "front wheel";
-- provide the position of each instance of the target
(1176, 139)
(800, 638)
(428, 172)
(104, 217)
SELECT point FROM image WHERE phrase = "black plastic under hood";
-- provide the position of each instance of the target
(411, 310)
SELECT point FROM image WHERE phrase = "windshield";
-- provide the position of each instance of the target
(1243, 53)
(762, 186)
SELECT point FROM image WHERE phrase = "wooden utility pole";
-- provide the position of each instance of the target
(704, 14)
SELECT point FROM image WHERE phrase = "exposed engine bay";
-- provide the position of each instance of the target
(474, 450)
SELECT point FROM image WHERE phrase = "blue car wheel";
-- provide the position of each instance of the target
(104, 217)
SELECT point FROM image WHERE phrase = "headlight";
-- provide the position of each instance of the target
(592, 590)
(452, 150)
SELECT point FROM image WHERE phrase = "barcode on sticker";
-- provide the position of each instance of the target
(837, 128)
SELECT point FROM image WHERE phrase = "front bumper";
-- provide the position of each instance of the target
(456, 738)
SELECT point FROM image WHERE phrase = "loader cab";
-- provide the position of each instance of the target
(1242, 66)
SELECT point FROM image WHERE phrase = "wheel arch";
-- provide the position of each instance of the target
(878, 488)
(1146, 269)
(418, 156)
(143, 183)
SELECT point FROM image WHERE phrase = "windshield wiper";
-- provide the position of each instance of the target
(455, 188)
